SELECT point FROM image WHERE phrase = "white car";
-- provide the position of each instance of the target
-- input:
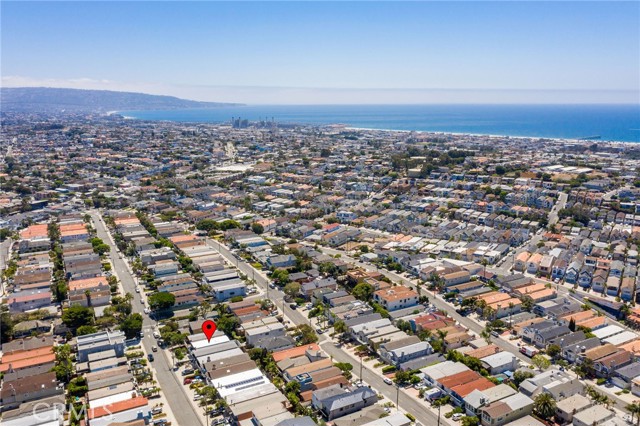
(457, 416)
(147, 311)
(387, 381)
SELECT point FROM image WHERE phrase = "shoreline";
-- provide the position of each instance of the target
(555, 139)
(433, 132)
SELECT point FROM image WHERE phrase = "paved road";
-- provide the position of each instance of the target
(468, 322)
(406, 402)
(172, 388)
(560, 204)
(5, 248)
(373, 378)
(438, 303)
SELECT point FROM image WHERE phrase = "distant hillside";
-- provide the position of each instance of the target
(46, 99)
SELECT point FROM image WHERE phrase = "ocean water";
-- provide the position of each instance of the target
(610, 122)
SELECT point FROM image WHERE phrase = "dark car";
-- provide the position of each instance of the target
(150, 357)
(293, 306)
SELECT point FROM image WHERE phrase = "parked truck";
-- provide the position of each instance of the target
(529, 351)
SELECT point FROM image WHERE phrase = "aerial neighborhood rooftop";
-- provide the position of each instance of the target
(356, 277)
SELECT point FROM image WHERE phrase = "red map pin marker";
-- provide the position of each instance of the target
(208, 328)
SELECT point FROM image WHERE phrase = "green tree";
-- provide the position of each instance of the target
(132, 325)
(77, 387)
(86, 329)
(520, 376)
(180, 353)
(544, 405)
(4, 234)
(228, 324)
(257, 228)
(540, 362)
(634, 410)
(470, 421)
(204, 309)
(76, 316)
(161, 300)
(363, 291)
(6, 327)
(305, 334)
(280, 276)
(527, 303)
(207, 225)
(328, 268)
(402, 377)
(292, 289)
(292, 387)
(63, 363)
(340, 326)
(554, 351)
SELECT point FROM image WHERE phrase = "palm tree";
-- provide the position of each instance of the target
(511, 306)
(631, 409)
(634, 409)
(484, 264)
(488, 312)
(442, 334)
(480, 305)
(544, 405)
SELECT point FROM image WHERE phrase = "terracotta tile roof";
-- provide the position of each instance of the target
(33, 353)
(87, 283)
(484, 351)
(34, 231)
(593, 323)
(579, 316)
(117, 407)
(294, 352)
(480, 384)
(459, 378)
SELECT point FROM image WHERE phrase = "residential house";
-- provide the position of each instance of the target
(501, 412)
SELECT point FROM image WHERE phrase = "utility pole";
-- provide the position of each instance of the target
(439, 406)
(361, 379)
(398, 397)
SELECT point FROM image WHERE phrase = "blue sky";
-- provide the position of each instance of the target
(330, 52)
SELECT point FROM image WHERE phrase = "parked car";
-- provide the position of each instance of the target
(150, 357)
(187, 381)
(147, 311)
(156, 410)
(156, 335)
(319, 330)
(387, 381)
(197, 397)
(457, 416)
(187, 371)
(154, 348)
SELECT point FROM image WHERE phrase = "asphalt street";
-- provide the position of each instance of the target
(371, 377)
(170, 384)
